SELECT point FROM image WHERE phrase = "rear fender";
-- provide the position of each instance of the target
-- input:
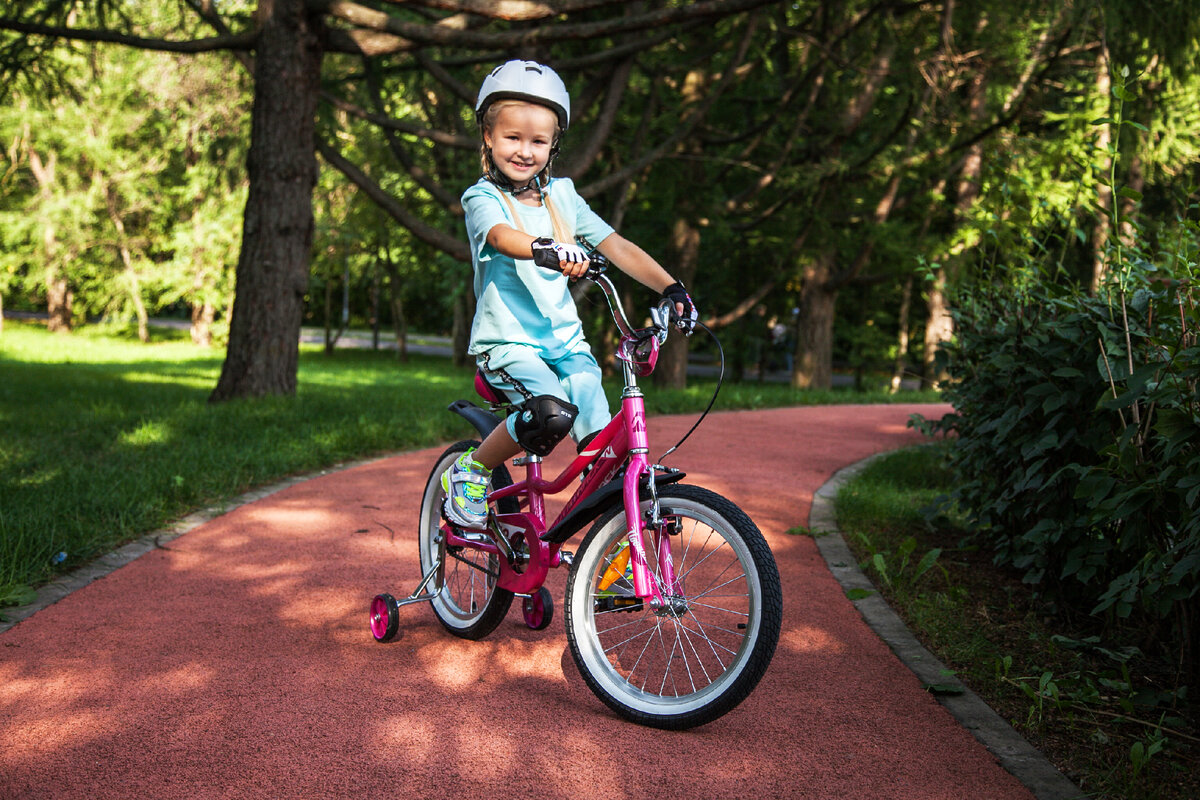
(483, 420)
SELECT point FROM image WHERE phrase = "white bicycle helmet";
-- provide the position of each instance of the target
(525, 80)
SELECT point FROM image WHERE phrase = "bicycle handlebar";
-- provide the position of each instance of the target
(662, 315)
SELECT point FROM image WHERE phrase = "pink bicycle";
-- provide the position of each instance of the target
(673, 603)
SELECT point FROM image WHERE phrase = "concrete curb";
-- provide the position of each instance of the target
(1015, 754)
(60, 587)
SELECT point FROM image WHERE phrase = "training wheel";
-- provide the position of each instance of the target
(385, 617)
(539, 609)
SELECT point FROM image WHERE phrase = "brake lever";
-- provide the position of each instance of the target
(660, 316)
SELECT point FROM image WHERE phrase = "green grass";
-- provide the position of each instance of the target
(106, 438)
(1035, 663)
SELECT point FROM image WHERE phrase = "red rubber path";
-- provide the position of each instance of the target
(238, 662)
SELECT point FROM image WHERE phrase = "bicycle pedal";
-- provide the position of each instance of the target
(459, 530)
(624, 604)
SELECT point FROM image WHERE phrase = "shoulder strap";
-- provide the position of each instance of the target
(560, 229)
(512, 211)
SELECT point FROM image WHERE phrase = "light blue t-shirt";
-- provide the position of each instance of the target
(517, 302)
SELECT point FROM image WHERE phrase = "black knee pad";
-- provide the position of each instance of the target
(542, 422)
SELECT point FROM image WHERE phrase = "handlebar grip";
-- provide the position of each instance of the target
(546, 259)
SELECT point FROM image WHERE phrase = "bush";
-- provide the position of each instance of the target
(1077, 423)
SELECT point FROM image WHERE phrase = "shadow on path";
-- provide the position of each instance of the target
(236, 661)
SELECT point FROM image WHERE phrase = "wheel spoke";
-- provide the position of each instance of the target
(612, 647)
(707, 592)
(699, 659)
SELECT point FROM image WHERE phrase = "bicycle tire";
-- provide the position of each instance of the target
(686, 666)
(469, 604)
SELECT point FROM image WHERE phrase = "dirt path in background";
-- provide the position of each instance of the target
(238, 662)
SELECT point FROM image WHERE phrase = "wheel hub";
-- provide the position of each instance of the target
(675, 606)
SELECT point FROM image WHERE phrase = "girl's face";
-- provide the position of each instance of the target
(520, 139)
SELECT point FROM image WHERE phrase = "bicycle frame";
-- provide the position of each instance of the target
(622, 441)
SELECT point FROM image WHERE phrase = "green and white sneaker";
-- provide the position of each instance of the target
(466, 486)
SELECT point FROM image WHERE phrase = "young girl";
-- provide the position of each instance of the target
(526, 336)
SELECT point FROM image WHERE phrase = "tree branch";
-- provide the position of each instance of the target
(587, 156)
(440, 137)
(423, 179)
(686, 126)
(450, 245)
(742, 308)
(410, 34)
(1012, 109)
(509, 10)
(237, 41)
(443, 76)
(206, 12)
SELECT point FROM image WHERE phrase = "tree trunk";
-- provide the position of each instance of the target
(130, 271)
(671, 371)
(460, 331)
(203, 314)
(329, 339)
(375, 280)
(59, 297)
(272, 271)
(396, 299)
(939, 328)
(1104, 199)
(813, 368)
(60, 301)
(902, 340)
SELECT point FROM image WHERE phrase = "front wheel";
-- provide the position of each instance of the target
(701, 652)
(468, 604)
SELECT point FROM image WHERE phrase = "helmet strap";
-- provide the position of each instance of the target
(501, 181)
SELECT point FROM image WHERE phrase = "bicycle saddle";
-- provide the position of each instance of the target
(487, 391)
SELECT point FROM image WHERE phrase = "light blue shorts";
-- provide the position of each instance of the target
(574, 377)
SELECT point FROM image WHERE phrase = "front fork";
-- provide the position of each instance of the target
(645, 585)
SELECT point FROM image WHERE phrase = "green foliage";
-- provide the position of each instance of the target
(1077, 440)
(898, 489)
(1102, 688)
(1084, 700)
(897, 569)
(129, 188)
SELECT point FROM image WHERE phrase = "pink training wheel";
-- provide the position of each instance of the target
(539, 609)
(385, 617)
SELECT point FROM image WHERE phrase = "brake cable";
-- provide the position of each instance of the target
(593, 250)
(716, 391)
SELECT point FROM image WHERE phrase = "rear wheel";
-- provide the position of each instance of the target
(469, 604)
(704, 650)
